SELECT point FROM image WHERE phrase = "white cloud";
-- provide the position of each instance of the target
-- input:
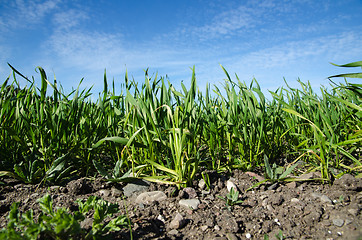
(85, 49)
(328, 47)
(68, 19)
(20, 13)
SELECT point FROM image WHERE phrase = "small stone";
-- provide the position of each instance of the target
(353, 211)
(248, 235)
(309, 176)
(202, 184)
(230, 184)
(217, 228)
(273, 186)
(34, 195)
(321, 197)
(204, 228)
(269, 207)
(190, 203)
(149, 197)
(161, 218)
(264, 203)
(348, 221)
(173, 232)
(201, 206)
(54, 188)
(294, 200)
(104, 192)
(178, 222)
(137, 186)
(326, 199)
(262, 197)
(204, 192)
(277, 221)
(190, 193)
(292, 185)
(338, 222)
(115, 192)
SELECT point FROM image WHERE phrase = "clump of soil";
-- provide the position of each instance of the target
(305, 210)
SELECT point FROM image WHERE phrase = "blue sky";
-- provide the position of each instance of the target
(267, 39)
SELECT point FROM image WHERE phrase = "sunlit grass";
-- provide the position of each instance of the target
(154, 131)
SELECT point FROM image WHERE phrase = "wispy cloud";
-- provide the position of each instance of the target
(328, 47)
(22, 14)
(65, 20)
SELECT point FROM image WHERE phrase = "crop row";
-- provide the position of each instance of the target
(155, 132)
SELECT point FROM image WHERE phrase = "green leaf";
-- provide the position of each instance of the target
(46, 204)
(119, 140)
(348, 75)
(57, 166)
(268, 169)
(353, 64)
(288, 171)
(101, 170)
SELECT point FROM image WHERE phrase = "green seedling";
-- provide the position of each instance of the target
(279, 236)
(206, 178)
(275, 174)
(232, 199)
(60, 223)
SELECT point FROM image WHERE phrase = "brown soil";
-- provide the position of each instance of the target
(307, 210)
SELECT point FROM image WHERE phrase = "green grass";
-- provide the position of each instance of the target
(162, 134)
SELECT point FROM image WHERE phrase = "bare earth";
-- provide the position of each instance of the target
(305, 210)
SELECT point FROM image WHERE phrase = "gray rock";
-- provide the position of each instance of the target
(230, 184)
(190, 203)
(137, 186)
(178, 222)
(292, 185)
(310, 175)
(79, 186)
(116, 192)
(353, 211)
(149, 197)
(189, 193)
(173, 232)
(104, 192)
(161, 218)
(204, 228)
(273, 186)
(202, 184)
(338, 222)
(321, 197)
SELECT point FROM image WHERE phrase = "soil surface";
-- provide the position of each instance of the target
(301, 210)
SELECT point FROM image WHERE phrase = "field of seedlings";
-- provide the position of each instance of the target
(230, 149)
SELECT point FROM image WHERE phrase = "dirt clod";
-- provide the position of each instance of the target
(308, 210)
